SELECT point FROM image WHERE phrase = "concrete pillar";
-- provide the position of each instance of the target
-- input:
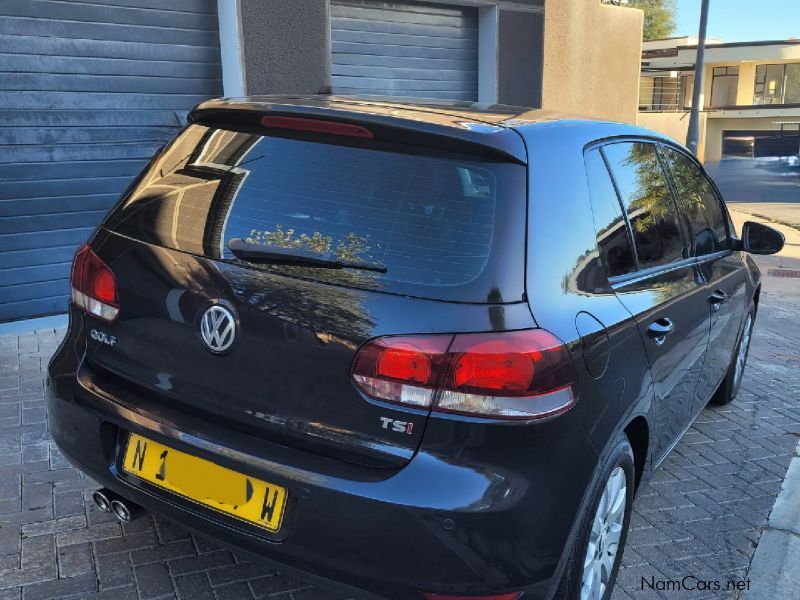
(746, 86)
(286, 46)
(520, 53)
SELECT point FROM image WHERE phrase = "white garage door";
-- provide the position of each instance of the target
(404, 49)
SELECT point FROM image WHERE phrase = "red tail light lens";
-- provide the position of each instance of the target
(402, 369)
(515, 374)
(94, 288)
(317, 126)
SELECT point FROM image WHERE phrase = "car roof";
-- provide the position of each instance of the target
(471, 121)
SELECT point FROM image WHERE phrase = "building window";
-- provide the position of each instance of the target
(777, 84)
(791, 94)
(660, 93)
(687, 89)
(723, 86)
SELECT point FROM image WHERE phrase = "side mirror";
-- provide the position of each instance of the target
(758, 238)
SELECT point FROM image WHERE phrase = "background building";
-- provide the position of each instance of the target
(90, 89)
(751, 91)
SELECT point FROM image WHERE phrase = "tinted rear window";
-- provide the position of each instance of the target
(430, 220)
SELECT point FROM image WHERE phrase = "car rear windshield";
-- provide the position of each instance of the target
(440, 225)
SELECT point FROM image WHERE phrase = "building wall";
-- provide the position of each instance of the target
(746, 87)
(591, 59)
(580, 57)
(675, 125)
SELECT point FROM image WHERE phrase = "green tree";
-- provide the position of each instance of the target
(659, 17)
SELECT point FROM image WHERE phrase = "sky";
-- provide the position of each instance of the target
(742, 20)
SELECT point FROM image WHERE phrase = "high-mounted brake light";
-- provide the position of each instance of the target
(94, 288)
(524, 374)
(317, 126)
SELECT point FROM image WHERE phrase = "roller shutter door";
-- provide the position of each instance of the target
(404, 49)
(89, 91)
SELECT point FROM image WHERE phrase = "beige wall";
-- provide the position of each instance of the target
(746, 87)
(675, 125)
(592, 53)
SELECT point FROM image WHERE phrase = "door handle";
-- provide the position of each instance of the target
(717, 298)
(660, 329)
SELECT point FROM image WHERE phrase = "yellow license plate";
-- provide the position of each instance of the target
(206, 483)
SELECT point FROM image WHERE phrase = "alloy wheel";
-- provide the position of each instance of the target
(741, 354)
(601, 552)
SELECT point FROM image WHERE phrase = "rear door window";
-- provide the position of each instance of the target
(431, 220)
(700, 203)
(613, 240)
(648, 202)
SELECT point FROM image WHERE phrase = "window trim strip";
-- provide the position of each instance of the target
(628, 229)
(638, 276)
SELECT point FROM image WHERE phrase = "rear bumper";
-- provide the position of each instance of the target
(443, 523)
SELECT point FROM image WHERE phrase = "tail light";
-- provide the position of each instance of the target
(94, 288)
(523, 374)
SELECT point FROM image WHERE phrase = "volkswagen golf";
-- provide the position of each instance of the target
(416, 350)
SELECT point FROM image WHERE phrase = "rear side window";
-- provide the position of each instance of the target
(647, 199)
(431, 220)
(700, 203)
(613, 240)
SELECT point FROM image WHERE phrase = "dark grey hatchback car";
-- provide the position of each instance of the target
(419, 350)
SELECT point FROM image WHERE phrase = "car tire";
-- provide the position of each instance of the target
(602, 527)
(730, 385)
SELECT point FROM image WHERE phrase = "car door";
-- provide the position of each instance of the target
(722, 268)
(666, 294)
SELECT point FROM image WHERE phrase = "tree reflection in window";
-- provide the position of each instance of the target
(699, 202)
(644, 192)
(352, 248)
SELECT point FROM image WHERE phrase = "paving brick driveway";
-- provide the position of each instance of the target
(701, 515)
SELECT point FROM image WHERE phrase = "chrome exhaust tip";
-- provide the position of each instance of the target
(125, 511)
(103, 499)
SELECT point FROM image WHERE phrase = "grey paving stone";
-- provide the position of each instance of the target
(153, 581)
(60, 588)
(194, 587)
(75, 560)
(113, 570)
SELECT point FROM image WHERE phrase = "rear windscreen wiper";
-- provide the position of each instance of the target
(278, 255)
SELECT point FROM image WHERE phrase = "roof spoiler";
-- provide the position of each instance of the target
(452, 134)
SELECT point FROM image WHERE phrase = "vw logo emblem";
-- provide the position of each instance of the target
(218, 328)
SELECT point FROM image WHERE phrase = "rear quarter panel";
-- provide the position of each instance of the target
(565, 281)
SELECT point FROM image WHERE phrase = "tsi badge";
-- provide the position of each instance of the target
(103, 338)
(398, 426)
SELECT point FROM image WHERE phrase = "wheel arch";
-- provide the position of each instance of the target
(638, 433)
